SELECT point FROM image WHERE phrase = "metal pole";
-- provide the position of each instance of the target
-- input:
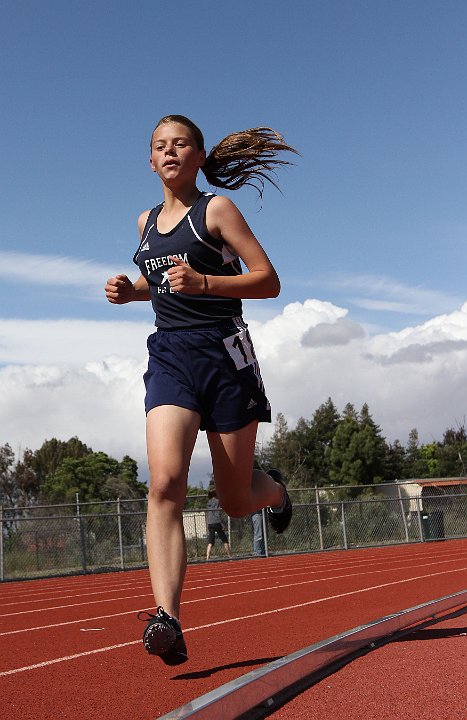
(265, 534)
(141, 539)
(344, 529)
(404, 519)
(1, 544)
(195, 519)
(419, 516)
(320, 529)
(120, 535)
(81, 535)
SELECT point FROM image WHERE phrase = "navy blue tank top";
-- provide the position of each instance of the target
(191, 242)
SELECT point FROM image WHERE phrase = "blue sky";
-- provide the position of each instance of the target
(372, 94)
(372, 217)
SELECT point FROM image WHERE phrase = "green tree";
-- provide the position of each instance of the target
(95, 476)
(279, 451)
(344, 465)
(395, 461)
(325, 421)
(314, 440)
(411, 454)
(426, 465)
(358, 450)
(26, 479)
(8, 488)
(349, 412)
(452, 453)
(48, 458)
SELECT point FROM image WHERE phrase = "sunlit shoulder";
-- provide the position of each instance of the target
(142, 220)
(221, 213)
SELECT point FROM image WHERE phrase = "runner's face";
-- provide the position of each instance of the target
(175, 155)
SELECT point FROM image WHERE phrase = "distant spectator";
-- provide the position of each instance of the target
(258, 538)
(214, 516)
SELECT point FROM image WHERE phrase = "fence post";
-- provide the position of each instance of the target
(82, 538)
(1, 543)
(419, 517)
(141, 539)
(120, 535)
(404, 520)
(195, 520)
(265, 533)
(344, 529)
(320, 529)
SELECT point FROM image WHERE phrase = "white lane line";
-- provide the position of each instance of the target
(328, 566)
(68, 587)
(72, 595)
(204, 587)
(70, 605)
(72, 622)
(242, 618)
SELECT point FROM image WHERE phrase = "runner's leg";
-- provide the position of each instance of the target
(240, 489)
(170, 434)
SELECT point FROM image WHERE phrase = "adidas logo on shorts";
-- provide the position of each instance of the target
(251, 404)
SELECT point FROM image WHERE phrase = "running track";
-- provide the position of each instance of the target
(71, 647)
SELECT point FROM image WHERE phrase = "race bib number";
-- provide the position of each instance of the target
(240, 349)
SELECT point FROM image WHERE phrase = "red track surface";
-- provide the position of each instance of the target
(70, 647)
(421, 676)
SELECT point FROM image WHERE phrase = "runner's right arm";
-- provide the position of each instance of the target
(120, 290)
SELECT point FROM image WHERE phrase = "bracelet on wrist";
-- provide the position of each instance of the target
(205, 289)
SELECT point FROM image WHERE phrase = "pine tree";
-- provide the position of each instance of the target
(358, 450)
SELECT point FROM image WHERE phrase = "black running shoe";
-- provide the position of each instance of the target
(163, 636)
(280, 521)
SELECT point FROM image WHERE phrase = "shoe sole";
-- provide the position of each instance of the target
(159, 638)
(162, 639)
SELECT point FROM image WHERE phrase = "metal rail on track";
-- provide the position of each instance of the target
(231, 700)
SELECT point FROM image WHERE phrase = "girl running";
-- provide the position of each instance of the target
(202, 370)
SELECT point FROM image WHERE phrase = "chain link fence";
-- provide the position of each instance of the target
(94, 537)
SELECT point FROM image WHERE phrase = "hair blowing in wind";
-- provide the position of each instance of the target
(246, 158)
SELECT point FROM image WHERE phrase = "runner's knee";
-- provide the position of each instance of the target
(167, 489)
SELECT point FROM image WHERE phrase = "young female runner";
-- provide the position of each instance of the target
(202, 370)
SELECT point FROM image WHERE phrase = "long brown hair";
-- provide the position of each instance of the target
(242, 158)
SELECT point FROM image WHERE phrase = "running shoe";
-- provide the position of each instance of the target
(280, 521)
(163, 636)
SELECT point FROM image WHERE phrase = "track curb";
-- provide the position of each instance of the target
(238, 696)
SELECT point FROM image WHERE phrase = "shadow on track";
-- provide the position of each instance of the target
(434, 634)
(211, 671)
(426, 631)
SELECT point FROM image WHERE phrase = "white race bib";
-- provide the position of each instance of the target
(240, 349)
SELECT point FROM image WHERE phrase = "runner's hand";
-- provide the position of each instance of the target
(119, 290)
(184, 279)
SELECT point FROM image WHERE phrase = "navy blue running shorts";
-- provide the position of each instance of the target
(212, 370)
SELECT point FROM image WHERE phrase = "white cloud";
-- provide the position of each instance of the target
(380, 293)
(88, 383)
(50, 269)
(328, 334)
(85, 276)
(71, 342)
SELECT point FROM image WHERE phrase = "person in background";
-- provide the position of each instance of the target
(258, 538)
(214, 517)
